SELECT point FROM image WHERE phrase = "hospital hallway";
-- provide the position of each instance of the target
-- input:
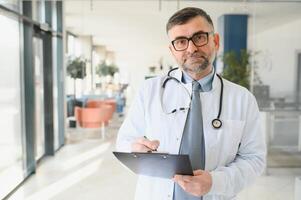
(69, 68)
(85, 168)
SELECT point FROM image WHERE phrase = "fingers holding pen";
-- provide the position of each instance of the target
(152, 144)
(144, 145)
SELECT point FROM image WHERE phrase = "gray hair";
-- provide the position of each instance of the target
(184, 15)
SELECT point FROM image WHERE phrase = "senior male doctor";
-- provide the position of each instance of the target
(198, 113)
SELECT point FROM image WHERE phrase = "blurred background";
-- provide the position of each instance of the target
(70, 69)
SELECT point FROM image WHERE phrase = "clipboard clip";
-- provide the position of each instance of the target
(165, 155)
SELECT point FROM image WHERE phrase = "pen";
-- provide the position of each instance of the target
(149, 150)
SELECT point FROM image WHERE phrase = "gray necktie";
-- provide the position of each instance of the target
(193, 140)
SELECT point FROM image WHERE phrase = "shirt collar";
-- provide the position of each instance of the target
(205, 82)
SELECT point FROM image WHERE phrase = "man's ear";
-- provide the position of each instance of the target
(216, 41)
(171, 49)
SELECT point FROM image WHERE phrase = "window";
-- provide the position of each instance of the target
(11, 162)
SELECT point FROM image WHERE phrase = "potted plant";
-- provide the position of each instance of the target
(76, 69)
(237, 67)
(103, 69)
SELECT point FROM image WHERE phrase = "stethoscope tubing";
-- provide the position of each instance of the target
(169, 77)
(220, 96)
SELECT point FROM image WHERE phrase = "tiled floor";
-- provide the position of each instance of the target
(86, 169)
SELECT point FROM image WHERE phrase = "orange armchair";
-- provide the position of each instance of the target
(99, 103)
(94, 117)
(111, 102)
(94, 103)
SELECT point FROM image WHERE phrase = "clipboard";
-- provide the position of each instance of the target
(161, 165)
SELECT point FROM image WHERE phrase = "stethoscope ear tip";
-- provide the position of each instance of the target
(217, 123)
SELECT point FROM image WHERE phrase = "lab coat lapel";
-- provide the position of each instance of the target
(178, 95)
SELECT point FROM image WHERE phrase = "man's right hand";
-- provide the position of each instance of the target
(144, 145)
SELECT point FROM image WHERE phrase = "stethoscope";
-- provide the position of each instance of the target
(216, 123)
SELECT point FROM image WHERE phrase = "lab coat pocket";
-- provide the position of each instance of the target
(230, 138)
(222, 144)
(234, 129)
(230, 133)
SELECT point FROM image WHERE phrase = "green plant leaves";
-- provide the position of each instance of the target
(104, 69)
(237, 67)
(76, 68)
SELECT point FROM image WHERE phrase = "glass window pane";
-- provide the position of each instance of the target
(11, 4)
(11, 170)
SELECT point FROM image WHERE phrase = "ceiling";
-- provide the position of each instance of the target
(135, 30)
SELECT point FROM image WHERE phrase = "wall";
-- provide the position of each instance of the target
(277, 48)
(86, 52)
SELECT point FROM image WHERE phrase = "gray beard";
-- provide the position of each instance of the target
(197, 69)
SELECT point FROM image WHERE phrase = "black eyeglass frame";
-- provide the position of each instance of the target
(190, 38)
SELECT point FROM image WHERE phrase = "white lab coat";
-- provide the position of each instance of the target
(235, 153)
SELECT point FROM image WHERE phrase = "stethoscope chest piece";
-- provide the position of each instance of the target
(216, 123)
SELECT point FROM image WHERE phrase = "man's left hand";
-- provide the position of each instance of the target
(198, 185)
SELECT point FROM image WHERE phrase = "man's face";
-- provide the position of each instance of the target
(194, 59)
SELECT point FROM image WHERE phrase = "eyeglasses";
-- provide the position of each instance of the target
(199, 39)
